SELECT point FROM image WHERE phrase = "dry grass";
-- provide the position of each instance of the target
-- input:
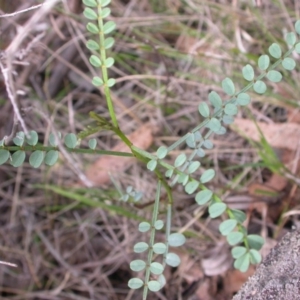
(169, 55)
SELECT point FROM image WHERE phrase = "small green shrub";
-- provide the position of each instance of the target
(217, 114)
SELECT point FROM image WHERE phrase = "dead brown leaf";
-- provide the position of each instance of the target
(283, 135)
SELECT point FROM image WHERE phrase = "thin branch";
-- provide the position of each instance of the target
(21, 11)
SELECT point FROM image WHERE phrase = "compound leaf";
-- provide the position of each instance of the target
(217, 209)
(156, 268)
(176, 239)
(36, 158)
(289, 63)
(4, 156)
(172, 260)
(207, 175)
(203, 197)
(135, 283)
(17, 159)
(154, 286)
(274, 76)
(248, 72)
(227, 226)
(191, 187)
(228, 86)
(204, 109)
(275, 50)
(234, 238)
(137, 265)
(71, 140)
(259, 87)
(33, 138)
(51, 157)
(263, 62)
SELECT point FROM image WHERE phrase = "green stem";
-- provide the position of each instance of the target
(104, 70)
(152, 237)
(75, 150)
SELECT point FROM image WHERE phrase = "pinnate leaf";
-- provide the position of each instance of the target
(151, 165)
(180, 160)
(207, 175)
(159, 224)
(90, 14)
(243, 99)
(193, 167)
(275, 50)
(71, 140)
(144, 226)
(140, 247)
(172, 260)
(290, 38)
(234, 238)
(17, 159)
(111, 82)
(214, 124)
(297, 26)
(255, 241)
(297, 48)
(230, 109)
(176, 239)
(228, 86)
(36, 158)
(109, 42)
(33, 138)
(105, 12)
(274, 76)
(203, 197)
(95, 61)
(248, 72)
(4, 155)
(19, 139)
(239, 215)
(92, 28)
(215, 99)
(51, 157)
(92, 45)
(156, 268)
(108, 27)
(255, 256)
(191, 187)
(259, 87)
(162, 152)
(97, 81)
(104, 2)
(238, 251)
(137, 265)
(217, 209)
(263, 62)
(135, 283)
(154, 286)
(289, 63)
(227, 226)
(203, 109)
(92, 143)
(208, 144)
(92, 3)
(159, 248)
(109, 62)
(243, 262)
(183, 179)
(169, 173)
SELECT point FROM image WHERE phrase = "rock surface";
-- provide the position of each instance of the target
(278, 276)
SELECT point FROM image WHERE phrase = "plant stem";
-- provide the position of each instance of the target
(104, 70)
